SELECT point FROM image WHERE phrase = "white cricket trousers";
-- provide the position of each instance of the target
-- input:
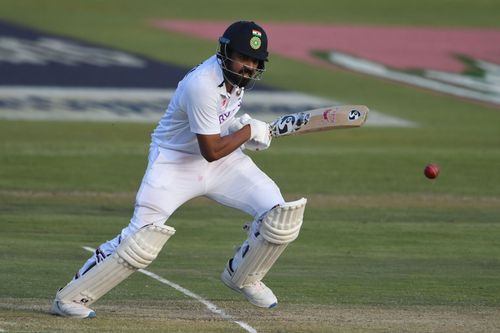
(172, 178)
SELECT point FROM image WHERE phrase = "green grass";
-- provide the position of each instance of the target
(378, 237)
(376, 233)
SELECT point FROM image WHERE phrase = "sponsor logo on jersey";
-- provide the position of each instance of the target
(223, 116)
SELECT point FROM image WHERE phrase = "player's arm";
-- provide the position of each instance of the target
(214, 146)
(200, 102)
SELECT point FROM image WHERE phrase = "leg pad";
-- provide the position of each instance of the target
(135, 252)
(279, 227)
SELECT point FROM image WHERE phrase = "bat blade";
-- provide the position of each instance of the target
(329, 118)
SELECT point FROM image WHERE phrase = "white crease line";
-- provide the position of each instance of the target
(210, 306)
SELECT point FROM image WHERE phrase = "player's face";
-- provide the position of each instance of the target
(246, 67)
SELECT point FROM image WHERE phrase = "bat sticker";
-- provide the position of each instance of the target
(329, 116)
(290, 123)
(354, 114)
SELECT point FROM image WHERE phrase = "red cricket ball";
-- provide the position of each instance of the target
(431, 171)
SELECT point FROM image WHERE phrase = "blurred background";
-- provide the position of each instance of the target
(82, 84)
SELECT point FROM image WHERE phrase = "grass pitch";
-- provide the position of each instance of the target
(390, 251)
(382, 248)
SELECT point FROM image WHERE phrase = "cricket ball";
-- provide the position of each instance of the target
(431, 171)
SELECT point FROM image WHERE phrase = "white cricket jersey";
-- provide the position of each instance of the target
(200, 105)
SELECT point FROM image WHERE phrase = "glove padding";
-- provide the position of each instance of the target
(260, 137)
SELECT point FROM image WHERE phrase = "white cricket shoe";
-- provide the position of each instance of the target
(71, 309)
(256, 293)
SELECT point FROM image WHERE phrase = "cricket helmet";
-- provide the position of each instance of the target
(246, 37)
(249, 39)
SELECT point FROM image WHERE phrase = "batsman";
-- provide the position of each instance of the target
(197, 149)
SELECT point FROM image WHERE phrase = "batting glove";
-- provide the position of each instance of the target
(260, 138)
(238, 123)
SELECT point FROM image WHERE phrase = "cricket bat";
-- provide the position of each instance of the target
(334, 117)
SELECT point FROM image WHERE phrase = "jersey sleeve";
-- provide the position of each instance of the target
(201, 102)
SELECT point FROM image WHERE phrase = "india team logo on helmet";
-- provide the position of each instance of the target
(255, 41)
